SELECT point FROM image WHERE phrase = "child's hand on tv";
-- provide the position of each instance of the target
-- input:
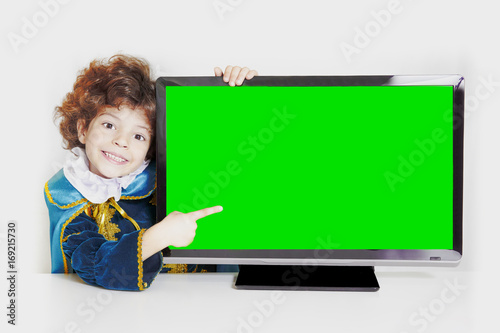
(176, 229)
(235, 75)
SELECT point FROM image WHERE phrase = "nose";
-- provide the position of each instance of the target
(120, 141)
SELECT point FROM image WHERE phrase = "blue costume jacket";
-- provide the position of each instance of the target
(102, 243)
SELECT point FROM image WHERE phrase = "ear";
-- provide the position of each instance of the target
(80, 126)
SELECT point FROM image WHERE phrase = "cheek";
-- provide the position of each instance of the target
(140, 150)
(95, 137)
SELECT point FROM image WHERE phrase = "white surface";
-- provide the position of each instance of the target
(209, 303)
(278, 37)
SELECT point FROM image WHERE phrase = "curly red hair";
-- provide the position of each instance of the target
(119, 80)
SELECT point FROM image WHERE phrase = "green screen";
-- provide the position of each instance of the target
(359, 167)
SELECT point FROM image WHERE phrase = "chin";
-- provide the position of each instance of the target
(111, 173)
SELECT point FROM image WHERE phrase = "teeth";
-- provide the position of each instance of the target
(113, 157)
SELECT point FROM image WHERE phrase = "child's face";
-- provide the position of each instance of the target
(116, 141)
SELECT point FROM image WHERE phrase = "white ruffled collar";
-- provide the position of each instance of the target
(95, 188)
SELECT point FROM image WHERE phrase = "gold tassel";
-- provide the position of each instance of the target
(102, 214)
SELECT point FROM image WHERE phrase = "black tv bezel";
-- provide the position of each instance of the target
(345, 257)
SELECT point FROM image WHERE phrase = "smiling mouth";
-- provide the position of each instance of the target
(114, 158)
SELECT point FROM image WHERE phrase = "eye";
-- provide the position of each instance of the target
(109, 125)
(140, 137)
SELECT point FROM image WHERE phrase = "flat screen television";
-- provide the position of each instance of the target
(321, 177)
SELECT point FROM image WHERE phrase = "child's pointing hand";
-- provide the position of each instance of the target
(176, 229)
(235, 75)
(182, 226)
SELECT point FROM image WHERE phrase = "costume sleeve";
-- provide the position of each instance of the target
(228, 268)
(114, 265)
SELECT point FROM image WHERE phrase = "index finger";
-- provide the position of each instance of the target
(218, 71)
(198, 214)
(251, 74)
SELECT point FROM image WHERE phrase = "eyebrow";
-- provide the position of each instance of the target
(146, 128)
(109, 114)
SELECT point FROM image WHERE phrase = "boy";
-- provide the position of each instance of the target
(101, 204)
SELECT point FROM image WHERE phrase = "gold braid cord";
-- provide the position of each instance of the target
(153, 199)
(176, 268)
(182, 268)
(120, 210)
(103, 213)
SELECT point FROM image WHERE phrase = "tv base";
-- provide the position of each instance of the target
(322, 278)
